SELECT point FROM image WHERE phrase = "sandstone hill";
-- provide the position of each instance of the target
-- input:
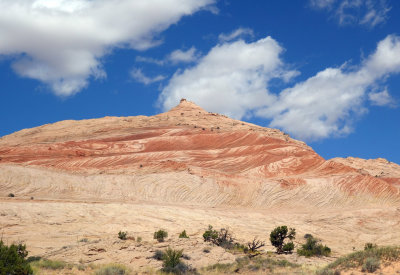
(187, 156)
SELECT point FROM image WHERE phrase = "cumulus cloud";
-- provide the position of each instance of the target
(61, 42)
(240, 32)
(139, 76)
(363, 12)
(233, 78)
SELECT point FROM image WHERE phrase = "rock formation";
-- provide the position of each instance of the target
(187, 156)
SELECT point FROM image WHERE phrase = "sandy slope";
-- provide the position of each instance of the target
(54, 229)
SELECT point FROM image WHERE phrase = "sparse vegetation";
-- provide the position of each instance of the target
(122, 235)
(207, 249)
(183, 234)
(313, 247)
(172, 261)
(221, 238)
(158, 255)
(11, 195)
(13, 259)
(160, 235)
(359, 259)
(51, 264)
(112, 269)
(370, 246)
(278, 237)
(253, 246)
(139, 239)
(259, 264)
(371, 264)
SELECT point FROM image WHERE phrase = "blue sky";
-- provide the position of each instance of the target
(324, 71)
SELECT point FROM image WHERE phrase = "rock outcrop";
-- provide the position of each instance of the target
(187, 156)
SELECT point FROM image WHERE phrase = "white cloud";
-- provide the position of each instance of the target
(328, 103)
(61, 42)
(321, 4)
(175, 57)
(382, 98)
(151, 60)
(363, 12)
(179, 56)
(233, 79)
(139, 76)
(240, 32)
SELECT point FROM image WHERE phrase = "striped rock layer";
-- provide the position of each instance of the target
(187, 156)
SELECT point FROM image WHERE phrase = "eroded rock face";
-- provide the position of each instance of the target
(186, 155)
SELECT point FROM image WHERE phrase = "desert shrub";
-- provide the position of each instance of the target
(112, 269)
(312, 247)
(160, 235)
(51, 264)
(221, 238)
(183, 234)
(288, 247)
(306, 236)
(252, 247)
(278, 237)
(139, 239)
(158, 255)
(13, 259)
(358, 258)
(210, 234)
(207, 249)
(371, 264)
(172, 262)
(122, 235)
(370, 246)
(11, 195)
(326, 271)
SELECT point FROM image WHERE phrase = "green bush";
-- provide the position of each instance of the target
(13, 259)
(122, 235)
(160, 235)
(221, 238)
(172, 261)
(312, 247)
(278, 237)
(371, 264)
(210, 234)
(183, 234)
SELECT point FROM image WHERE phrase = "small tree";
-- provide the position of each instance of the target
(13, 259)
(160, 235)
(278, 237)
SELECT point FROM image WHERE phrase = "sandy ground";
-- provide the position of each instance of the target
(86, 232)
